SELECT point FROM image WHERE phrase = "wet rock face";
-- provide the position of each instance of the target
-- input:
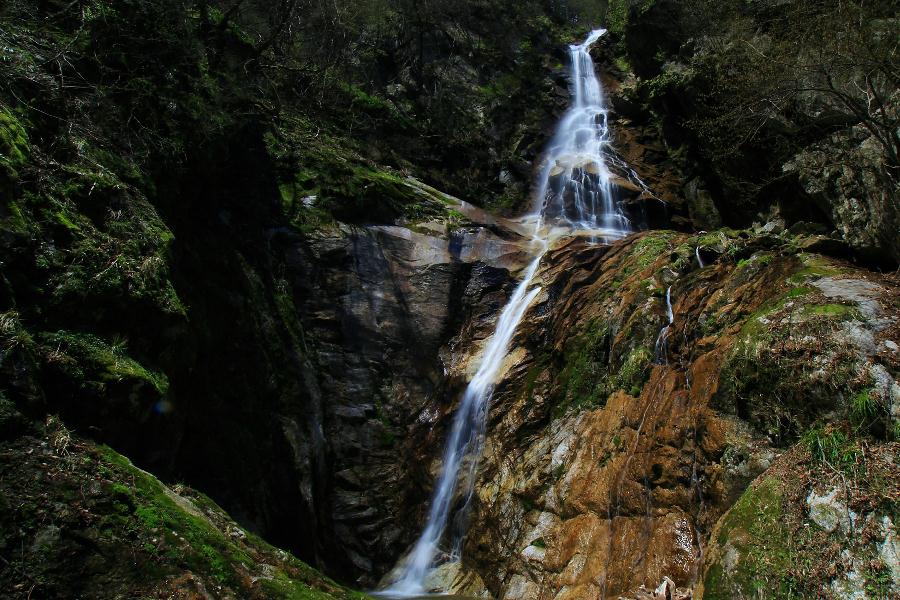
(606, 467)
(377, 304)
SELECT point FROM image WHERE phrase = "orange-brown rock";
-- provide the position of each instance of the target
(609, 461)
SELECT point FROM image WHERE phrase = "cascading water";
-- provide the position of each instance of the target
(466, 437)
(574, 192)
(575, 188)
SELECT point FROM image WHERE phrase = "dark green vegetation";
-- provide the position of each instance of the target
(80, 520)
(777, 109)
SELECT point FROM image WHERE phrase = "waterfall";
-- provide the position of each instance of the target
(576, 194)
(466, 438)
(699, 259)
(575, 188)
(661, 357)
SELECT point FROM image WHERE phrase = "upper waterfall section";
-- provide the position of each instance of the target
(575, 188)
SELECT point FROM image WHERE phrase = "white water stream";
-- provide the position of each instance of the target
(574, 193)
(662, 340)
(575, 190)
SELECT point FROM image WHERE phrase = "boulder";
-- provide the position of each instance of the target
(847, 177)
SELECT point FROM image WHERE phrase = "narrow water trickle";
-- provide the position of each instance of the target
(661, 353)
(574, 193)
(699, 259)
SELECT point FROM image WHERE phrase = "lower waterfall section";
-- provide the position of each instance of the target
(465, 441)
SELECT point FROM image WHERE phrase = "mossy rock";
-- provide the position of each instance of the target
(583, 381)
(771, 544)
(752, 548)
(90, 380)
(88, 523)
(766, 378)
(14, 146)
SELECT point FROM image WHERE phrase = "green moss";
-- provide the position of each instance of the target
(583, 380)
(189, 539)
(15, 219)
(280, 586)
(14, 146)
(813, 267)
(840, 311)
(760, 548)
(796, 292)
(879, 578)
(635, 370)
(587, 377)
(85, 356)
(757, 261)
(649, 248)
(149, 516)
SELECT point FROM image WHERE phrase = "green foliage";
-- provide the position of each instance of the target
(833, 446)
(87, 358)
(502, 87)
(617, 12)
(375, 106)
(329, 179)
(869, 413)
(667, 82)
